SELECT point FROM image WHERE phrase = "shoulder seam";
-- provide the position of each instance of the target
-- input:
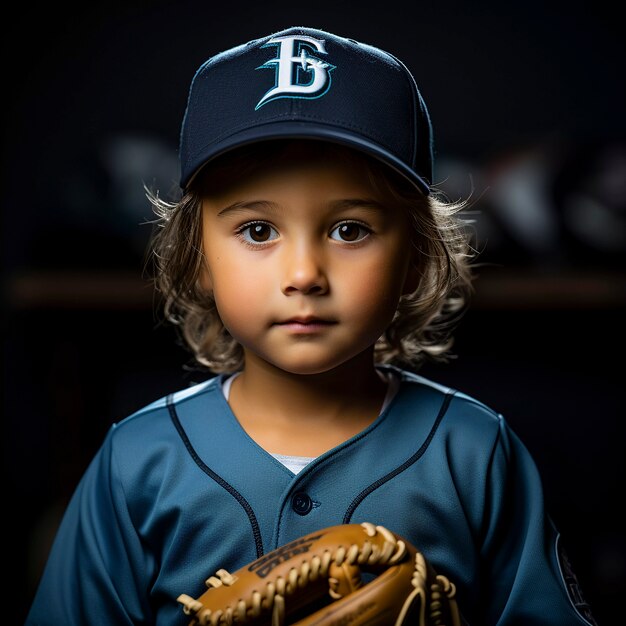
(478, 404)
(162, 403)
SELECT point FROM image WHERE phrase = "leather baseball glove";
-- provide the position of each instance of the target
(317, 580)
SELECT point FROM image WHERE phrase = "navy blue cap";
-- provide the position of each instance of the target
(308, 83)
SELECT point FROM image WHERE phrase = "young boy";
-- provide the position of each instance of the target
(311, 265)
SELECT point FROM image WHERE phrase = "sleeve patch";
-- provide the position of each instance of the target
(570, 582)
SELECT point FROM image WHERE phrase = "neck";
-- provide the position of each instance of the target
(306, 415)
(353, 387)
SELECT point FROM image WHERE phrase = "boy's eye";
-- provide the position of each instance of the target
(349, 231)
(257, 232)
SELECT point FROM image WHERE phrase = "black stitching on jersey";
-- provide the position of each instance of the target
(258, 541)
(375, 485)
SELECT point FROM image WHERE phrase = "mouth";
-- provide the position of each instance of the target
(305, 323)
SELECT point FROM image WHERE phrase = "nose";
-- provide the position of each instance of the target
(304, 270)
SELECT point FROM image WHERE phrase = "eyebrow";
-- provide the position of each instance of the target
(242, 205)
(337, 205)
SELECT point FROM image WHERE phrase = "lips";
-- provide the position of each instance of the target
(306, 321)
(305, 324)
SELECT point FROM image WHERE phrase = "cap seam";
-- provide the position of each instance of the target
(413, 89)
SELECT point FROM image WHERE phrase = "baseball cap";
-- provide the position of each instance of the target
(305, 82)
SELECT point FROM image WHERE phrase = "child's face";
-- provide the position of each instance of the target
(305, 263)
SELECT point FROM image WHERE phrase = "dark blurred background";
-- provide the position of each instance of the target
(527, 101)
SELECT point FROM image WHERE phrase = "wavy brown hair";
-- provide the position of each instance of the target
(424, 321)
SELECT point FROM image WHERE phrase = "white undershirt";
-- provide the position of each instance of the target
(297, 463)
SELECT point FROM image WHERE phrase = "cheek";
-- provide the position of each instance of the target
(237, 290)
(379, 281)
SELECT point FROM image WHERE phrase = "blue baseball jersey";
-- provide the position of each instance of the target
(179, 490)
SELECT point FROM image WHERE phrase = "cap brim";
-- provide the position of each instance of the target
(302, 130)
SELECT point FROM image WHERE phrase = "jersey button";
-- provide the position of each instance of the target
(301, 503)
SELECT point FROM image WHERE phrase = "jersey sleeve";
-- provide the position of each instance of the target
(524, 573)
(96, 572)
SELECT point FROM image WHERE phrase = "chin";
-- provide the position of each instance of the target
(307, 359)
(305, 369)
(311, 366)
